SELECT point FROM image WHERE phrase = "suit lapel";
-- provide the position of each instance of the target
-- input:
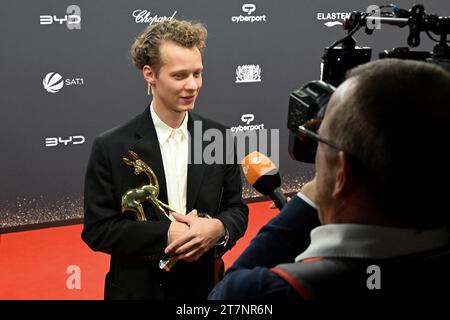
(147, 147)
(195, 171)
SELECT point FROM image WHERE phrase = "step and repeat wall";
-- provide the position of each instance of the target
(67, 76)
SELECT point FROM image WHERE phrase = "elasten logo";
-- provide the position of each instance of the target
(337, 17)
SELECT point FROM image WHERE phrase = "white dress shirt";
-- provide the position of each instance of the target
(173, 144)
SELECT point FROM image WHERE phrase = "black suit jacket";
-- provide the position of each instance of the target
(136, 247)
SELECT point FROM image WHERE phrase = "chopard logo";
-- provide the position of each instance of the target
(144, 16)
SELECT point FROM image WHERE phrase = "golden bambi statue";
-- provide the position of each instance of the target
(132, 199)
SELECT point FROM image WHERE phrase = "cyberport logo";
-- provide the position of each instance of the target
(248, 8)
(333, 18)
(248, 73)
(72, 18)
(53, 82)
(247, 118)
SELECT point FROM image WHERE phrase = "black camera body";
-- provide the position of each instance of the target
(337, 61)
(308, 102)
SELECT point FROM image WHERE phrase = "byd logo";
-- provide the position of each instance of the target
(58, 141)
(72, 18)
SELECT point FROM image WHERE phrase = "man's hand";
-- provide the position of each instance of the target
(177, 229)
(202, 235)
(308, 189)
(273, 206)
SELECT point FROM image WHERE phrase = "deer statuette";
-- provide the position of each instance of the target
(132, 199)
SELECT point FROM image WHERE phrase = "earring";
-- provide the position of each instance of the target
(149, 88)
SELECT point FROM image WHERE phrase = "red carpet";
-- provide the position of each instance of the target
(34, 264)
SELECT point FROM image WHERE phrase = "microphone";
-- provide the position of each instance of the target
(263, 175)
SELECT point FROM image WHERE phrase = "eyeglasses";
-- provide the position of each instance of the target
(309, 130)
(308, 133)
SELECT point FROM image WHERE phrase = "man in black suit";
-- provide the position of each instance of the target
(210, 214)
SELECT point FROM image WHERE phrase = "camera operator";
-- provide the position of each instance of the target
(381, 197)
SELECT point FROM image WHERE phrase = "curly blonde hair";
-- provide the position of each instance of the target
(145, 49)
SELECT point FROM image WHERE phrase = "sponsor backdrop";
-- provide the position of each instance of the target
(66, 76)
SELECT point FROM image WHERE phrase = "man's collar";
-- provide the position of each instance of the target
(371, 242)
(163, 131)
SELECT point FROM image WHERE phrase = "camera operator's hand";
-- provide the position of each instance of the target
(308, 189)
(273, 206)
